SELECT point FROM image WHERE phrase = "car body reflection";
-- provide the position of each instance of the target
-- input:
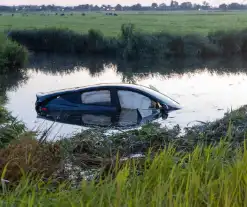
(127, 118)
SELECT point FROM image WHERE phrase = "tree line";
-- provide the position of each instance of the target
(174, 5)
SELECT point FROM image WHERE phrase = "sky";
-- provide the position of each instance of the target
(100, 2)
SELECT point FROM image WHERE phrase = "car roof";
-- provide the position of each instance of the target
(154, 93)
(95, 86)
(125, 85)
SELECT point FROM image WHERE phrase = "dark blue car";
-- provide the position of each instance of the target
(104, 99)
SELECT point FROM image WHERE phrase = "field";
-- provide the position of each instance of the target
(175, 22)
(204, 166)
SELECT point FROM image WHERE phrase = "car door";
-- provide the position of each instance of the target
(98, 101)
(133, 100)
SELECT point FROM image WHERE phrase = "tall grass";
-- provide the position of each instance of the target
(57, 40)
(206, 166)
(133, 44)
(10, 128)
(12, 55)
(207, 176)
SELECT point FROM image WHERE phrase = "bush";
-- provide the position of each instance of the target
(95, 41)
(230, 42)
(133, 44)
(22, 153)
(57, 40)
(27, 156)
(10, 128)
(12, 55)
(49, 40)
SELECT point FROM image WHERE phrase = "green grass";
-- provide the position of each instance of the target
(154, 35)
(204, 167)
(207, 176)
(177, 22)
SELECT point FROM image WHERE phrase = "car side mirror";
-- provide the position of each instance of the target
(165, 108)
(164, 115)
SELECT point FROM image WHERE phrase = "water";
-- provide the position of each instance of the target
(205, 93)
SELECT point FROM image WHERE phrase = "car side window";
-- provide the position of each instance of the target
(68, 97)
(134, 100)
(100, 97)
(71, 97)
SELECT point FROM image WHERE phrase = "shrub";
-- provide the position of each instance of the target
(28, 156)
(95, 41)
(12, 55)
(49, 39)
(228, 41)
(4, 115)
(10, 128)
(133, 44)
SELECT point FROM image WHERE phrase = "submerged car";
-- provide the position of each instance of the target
(104, 99)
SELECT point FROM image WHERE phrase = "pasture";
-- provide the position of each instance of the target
(173, 22)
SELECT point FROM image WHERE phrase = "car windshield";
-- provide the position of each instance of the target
(162, 97)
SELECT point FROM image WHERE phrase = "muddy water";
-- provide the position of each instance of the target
(205, 94)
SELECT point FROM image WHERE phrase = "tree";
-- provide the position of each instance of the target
(154, 5)
(235, 6)
(196, 6)
(186, 5)
(96, 8)
(223, 7)
(205, 5)
(162, 6)
(174, 4)
(119, 7)
(136, 7)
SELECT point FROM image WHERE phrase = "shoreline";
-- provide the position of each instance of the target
(132, 44)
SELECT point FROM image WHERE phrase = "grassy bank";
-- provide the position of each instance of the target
(133, 44)
(12, 55)
(208, 175)
(205, 166)
(200, 22)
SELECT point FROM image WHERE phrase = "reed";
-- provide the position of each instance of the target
(133, 44)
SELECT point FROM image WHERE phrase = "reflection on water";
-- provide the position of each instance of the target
(204, 89)
(57, 64)
(123, 119)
